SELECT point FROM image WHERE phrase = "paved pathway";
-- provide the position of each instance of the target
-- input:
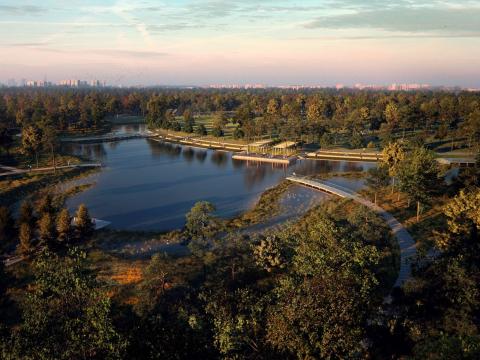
(407, 246)
(17, 171)
(107, 137)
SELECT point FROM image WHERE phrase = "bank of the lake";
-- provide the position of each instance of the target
(151, 185)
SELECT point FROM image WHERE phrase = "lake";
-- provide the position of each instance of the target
(150, 185)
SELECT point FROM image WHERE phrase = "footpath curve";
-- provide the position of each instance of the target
(408, 250)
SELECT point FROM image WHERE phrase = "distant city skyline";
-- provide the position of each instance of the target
(79, 83)
(204, 42)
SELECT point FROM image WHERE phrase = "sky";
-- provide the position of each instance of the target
(274, 42)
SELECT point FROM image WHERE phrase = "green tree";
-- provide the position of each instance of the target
(326, 140)
(470, 176)
(377, 179)
(188, 120)
(169, 119)
(155, 278)
(113, 106)
(66, 316)
(64, 226)
(220, 120)
(323, 305)
(357, 141)
(316, 119)
(463, 220)
(473, 128)
(201, 130)
(47, 232)
(83, 223)
(238, 324)
(217, 132)
(25, 236)
(200, 226)
(50, 141)
(156, 108)
(393, 155)
(439, 310)
(31, 141)
(238, 133)
(418, 175)
(392, 115)
(268, 254)
(45, 205)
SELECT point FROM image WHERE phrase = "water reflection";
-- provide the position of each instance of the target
(255, 174)
(95, 152)
(238, 164)
(159, 149)
(113, 145)
(129, 129)
(188, 154)
(311, 167)
(201, 156)
(220, 158)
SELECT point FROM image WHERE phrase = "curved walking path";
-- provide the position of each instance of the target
(16, 171)
(407, 246)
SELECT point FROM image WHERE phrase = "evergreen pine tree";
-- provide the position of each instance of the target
(64, 226)
(25, 246)
(46, 229)
(83, 222)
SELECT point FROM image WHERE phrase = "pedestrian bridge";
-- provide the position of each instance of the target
(408, 250)
(323, 186)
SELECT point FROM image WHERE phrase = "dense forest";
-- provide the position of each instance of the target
(308, 115)
(318, 288)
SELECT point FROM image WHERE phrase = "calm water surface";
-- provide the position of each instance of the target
(149, 185)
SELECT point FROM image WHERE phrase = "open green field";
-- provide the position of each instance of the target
(207, 121)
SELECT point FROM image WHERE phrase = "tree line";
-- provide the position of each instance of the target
(43, 225)
(311, 115)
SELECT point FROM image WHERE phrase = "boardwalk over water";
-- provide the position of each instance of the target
(407, 246)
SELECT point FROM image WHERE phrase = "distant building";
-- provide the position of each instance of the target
(408, 87)
(41, 83)
(97, 83)
(81, 83)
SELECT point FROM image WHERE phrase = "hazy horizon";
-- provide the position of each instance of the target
(275, 43)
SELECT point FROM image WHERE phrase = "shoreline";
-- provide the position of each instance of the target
(204, 144)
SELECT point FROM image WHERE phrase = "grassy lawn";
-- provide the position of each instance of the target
(206, 137)
(207, 121)
(431, 218)
(266, 207)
